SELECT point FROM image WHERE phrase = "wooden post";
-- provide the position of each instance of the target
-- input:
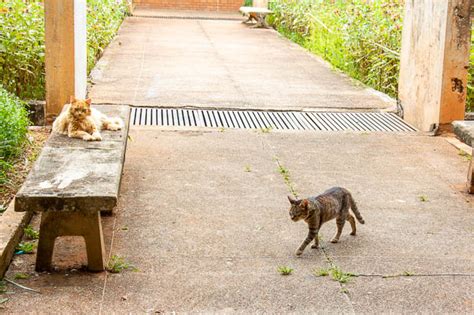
(66, 53)
(434, 62)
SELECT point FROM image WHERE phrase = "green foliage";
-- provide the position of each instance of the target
(248, 3)
(358, 37)
(361, 38)
(285, 271)
(103, 20)
(31, 233)
(22, 70)
(338, 275)
(13, 129)
(26, 247)
(118, 264)
(22, 48)
(322, 272)
(21, 276)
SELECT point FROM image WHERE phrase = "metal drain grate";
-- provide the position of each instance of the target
(318, 121)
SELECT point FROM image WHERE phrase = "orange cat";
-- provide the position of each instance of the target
(79, 120)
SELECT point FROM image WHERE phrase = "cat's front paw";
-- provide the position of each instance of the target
(314, 246)
(114, 127)
(96, 136)
(334, 240)
(298, 252)
(88, 137)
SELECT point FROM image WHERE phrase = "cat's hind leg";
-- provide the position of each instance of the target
(352, 221)
(316, 242)
(340, 221)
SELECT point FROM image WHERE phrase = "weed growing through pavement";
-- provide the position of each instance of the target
(118, 264)
(266, 130)
(26, 247)
(465, 155)
(321, 272)
(285, 271)
(423, 198)
(21, 276)
(285, 174)
(31, 233)
(247, 168)
(340, 276)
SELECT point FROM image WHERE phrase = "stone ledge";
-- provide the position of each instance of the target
(11, 231)
(464, 130)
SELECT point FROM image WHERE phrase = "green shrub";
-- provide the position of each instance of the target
(22, 69)
(359, 37)
(103, 20)
(13, 129)
(22, 48)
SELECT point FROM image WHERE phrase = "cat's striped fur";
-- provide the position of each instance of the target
(332, 204)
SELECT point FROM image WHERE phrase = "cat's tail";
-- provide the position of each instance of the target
(355, 210)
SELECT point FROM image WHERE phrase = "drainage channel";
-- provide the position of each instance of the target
(279, 120)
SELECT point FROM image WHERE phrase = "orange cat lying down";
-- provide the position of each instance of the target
(82, 121)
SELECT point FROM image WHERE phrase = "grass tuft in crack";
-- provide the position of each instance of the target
(118, 264)
(26, 247)
(285, 271)
(31, 233)
(285, 174)
(340, 276)
(321, 272)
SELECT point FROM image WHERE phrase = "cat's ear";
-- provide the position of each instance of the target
(304, 203)
(72, 99)
(88, 101)
(292, 200)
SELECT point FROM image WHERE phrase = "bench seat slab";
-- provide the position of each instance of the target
(76, 175)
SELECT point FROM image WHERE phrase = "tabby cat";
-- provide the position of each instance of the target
(333, 203)
(79, 120)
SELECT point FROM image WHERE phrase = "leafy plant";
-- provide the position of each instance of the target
(31, 233)
(21, 276)
(247, 168)
(338, 275)
(13, 130)
(117, 264)
(26, 247)
(22, 47)
(285, 271)
(423, 198)
(321, 272)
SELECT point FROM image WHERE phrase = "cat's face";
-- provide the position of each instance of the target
(80, 109)
(298, 209)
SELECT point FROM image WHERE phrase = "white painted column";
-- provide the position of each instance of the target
(434, 62)
(80, 48)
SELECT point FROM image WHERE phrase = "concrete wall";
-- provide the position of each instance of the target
(434, 61)
(207, 5)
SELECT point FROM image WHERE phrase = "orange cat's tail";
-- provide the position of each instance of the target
(355, 210)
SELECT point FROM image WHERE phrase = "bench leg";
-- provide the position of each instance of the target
(70, 223)
(261, 21)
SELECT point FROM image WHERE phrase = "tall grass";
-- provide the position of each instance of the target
(359, 37)
(13, 129)
(22, 48)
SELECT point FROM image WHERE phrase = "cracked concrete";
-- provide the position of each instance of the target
(225, 64)
(207, 235)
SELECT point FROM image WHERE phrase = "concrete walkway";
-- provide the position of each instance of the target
(203, 216)
(218, 63)
(203, 212)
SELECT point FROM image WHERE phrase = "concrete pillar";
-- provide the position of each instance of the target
(66, 53)
(434, 62)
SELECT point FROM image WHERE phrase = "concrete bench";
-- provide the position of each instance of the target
(257, 14)
(71, 183)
